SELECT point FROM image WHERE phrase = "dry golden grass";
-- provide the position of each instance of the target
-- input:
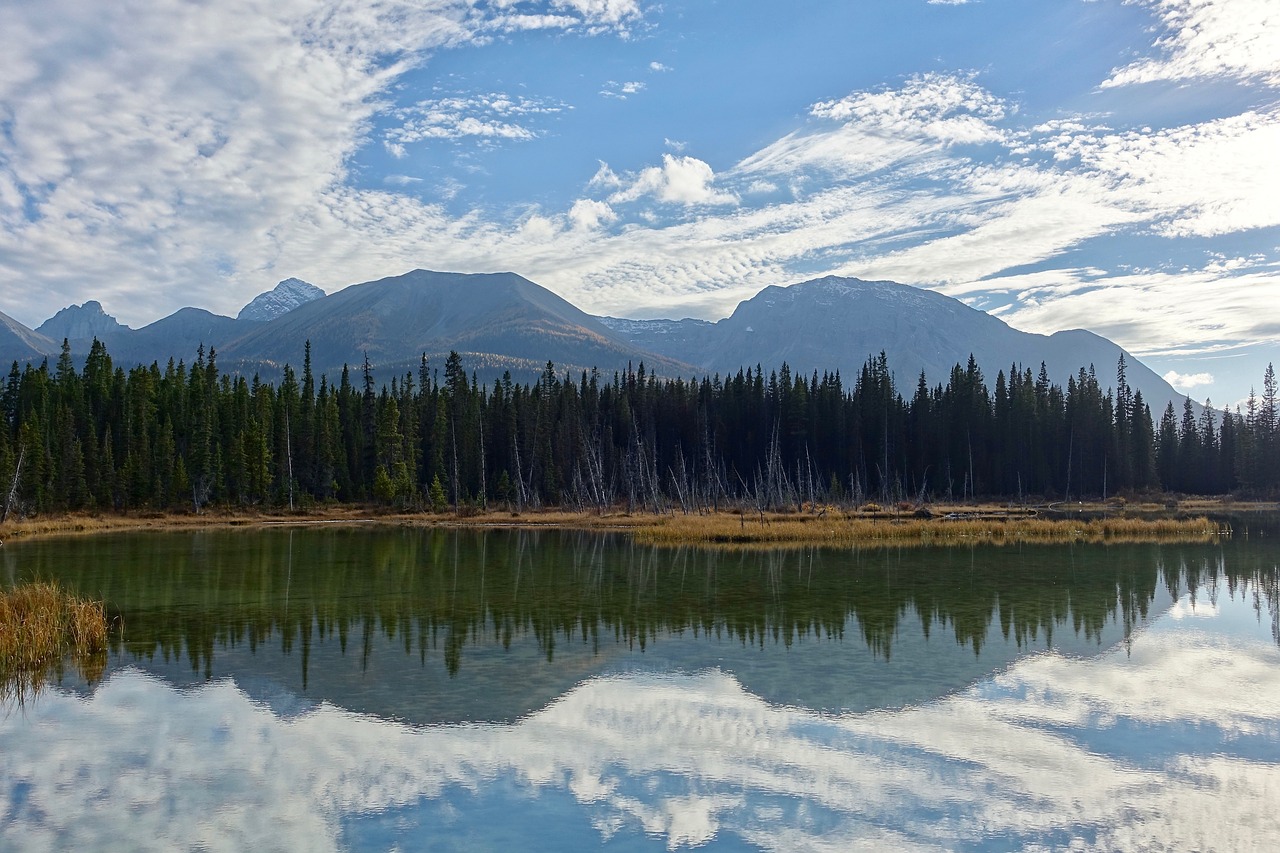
(40, 624)
(853, 529)
(352, 514)
(869, 524)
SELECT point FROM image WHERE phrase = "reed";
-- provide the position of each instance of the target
(854, 530)
(40, 624)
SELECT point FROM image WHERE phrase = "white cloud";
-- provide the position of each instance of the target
(605, 177)
(1207, 39)
(485, 117)
(679, 180)
(913, 131)
(1204, 179)
(1155, 313)
(658, 67)
(603, 12)
(944, 108)
(588, 214)
(1187, 381)
(621, 91)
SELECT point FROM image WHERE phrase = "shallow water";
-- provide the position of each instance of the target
(354, 689)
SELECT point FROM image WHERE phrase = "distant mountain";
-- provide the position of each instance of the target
(85, 322)
(502, 322)
(837, 323)
(282, 299)
(177, 336)
(498, 321)
(20, 344)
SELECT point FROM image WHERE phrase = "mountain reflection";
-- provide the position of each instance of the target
(537, 611)
(1054, 753)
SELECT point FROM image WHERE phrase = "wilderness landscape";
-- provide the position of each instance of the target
(611, 424)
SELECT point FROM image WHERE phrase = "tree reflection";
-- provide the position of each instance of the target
(435, 592)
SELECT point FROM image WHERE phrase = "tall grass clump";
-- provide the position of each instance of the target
(40, 624)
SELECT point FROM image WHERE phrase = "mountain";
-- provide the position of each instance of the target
(177, 336)
(20, 344)
(282, 299)
(837, 323)
(82, 323)
(502, 322)
(498, 321)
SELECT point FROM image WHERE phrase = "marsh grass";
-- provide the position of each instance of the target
(856, 530)
(866, 525)
(41, 624)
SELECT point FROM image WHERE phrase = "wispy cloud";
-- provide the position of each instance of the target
(491, 117)
(1209, 38)
(623, 90)
(1157, 313)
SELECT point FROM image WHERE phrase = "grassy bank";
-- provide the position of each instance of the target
(868, 525)
(854, 530)
(40, 624)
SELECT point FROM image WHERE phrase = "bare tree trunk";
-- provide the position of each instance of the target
(484, 497)
(521, 495)
(453, 434)
(288, 449)
(13, 487)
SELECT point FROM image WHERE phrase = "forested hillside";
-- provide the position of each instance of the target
(184, 436)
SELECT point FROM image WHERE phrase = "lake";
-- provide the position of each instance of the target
(326, 688)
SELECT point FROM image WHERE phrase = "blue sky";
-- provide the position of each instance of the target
(1107, 165)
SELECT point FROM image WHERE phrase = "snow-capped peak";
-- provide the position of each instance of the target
(282, 299)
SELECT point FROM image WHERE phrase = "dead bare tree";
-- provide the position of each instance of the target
(13, 486)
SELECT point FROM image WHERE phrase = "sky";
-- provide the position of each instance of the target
(1063, 164)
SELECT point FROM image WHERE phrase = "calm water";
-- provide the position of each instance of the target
(351, 689)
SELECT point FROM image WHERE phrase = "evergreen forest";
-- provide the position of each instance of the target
(186, 437)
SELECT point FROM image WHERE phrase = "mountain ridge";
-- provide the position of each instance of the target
(835, 324)
(504, 322)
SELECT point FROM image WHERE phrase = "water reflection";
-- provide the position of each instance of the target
(435, 626)
(1169, 744)
(423, 690)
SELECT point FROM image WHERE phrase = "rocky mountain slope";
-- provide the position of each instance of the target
(283, 298)
(503, 322)
(837, 323)
(499, 321)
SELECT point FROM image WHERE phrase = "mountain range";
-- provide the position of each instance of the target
(503, 322)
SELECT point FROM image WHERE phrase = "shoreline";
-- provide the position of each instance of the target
(936, 524)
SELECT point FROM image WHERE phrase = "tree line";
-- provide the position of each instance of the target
(191, 436)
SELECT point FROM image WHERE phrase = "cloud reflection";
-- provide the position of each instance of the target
(1168, 744)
